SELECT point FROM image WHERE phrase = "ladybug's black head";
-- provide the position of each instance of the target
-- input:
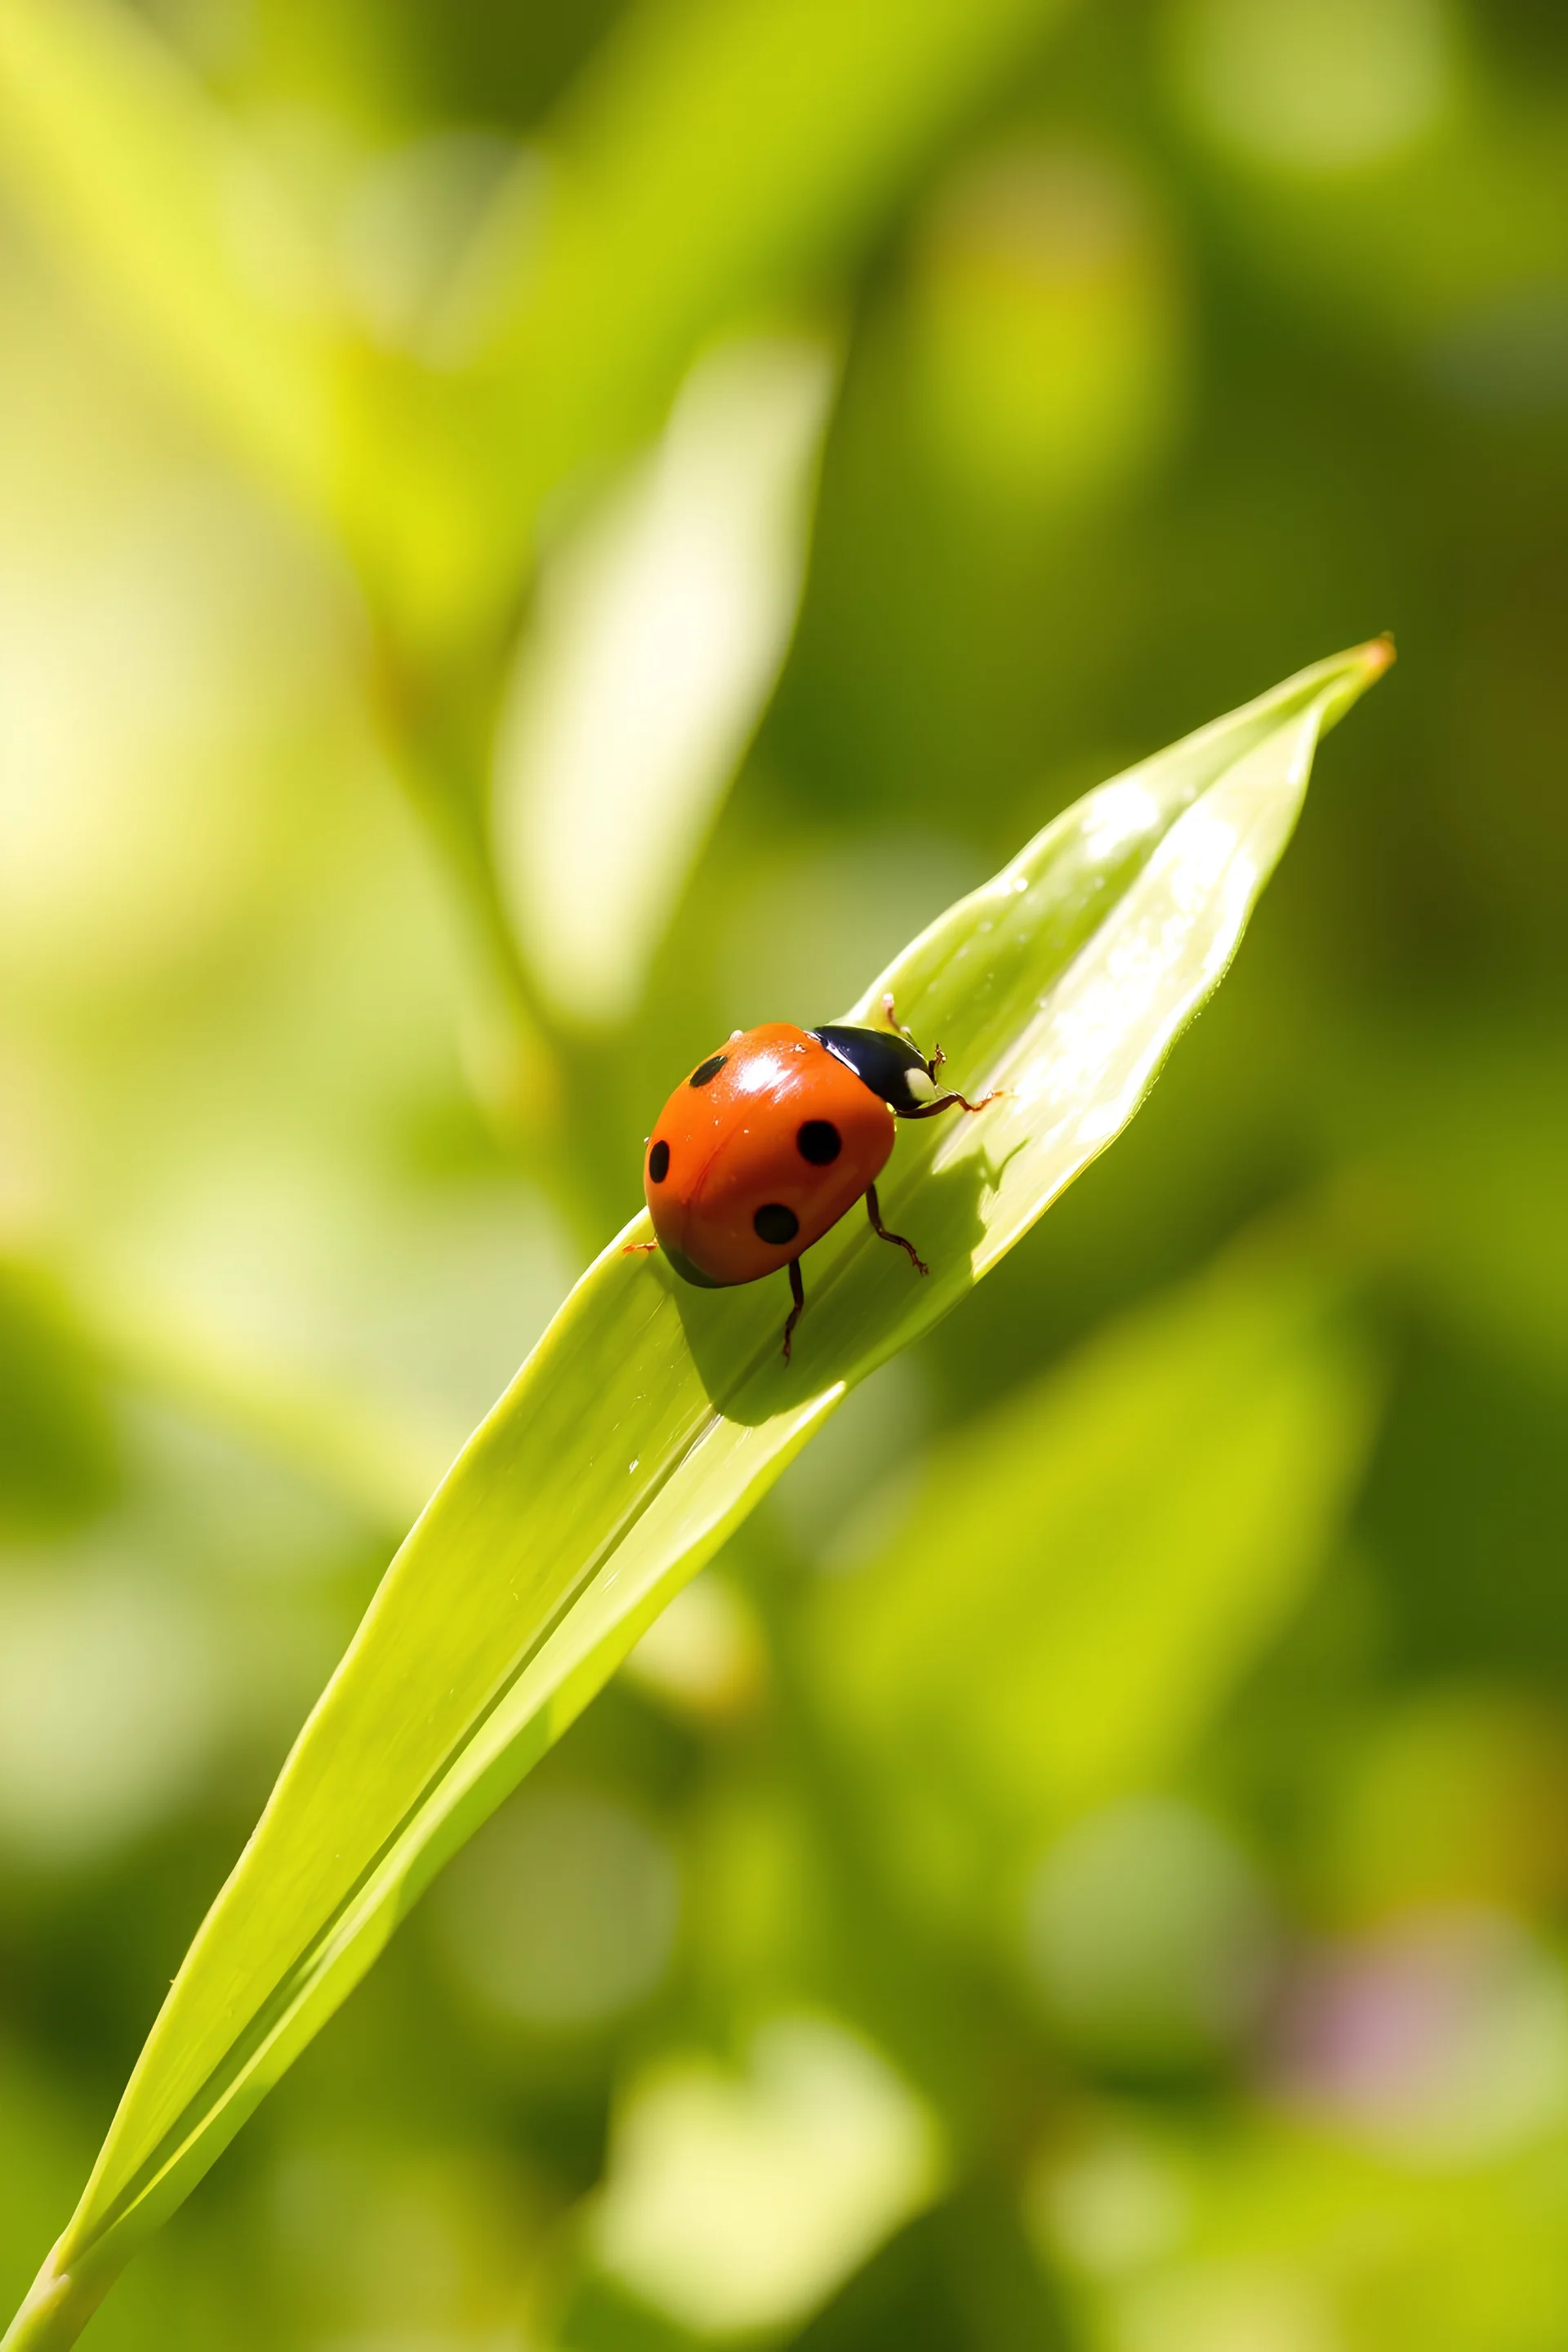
(885, 1062)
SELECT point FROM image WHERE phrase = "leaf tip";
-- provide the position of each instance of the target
(1351, 674)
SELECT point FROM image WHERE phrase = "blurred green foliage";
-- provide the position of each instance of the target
(1199, 1978)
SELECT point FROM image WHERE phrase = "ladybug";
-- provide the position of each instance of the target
(770, 1141)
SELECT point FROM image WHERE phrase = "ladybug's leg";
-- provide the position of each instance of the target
(948, 1102)
(873, 1210)
(798, 1292)
(630, 1249)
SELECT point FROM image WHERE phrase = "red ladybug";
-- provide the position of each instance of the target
(769, 1142)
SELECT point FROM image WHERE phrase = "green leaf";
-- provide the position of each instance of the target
(1101, 1556)
(57, 1451)
(652, 1417)
(716, 157)
(144, 184)
(659, 631)
(713, 158)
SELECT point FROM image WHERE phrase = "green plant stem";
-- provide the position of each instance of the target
(58, 2307)
(535, 1083)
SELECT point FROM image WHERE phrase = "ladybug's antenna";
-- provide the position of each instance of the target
(934, 1060)
(893, 1021)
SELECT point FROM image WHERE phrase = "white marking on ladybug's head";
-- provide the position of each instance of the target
(922, 1084)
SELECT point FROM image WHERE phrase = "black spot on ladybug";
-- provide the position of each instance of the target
(773, 1223)
(820, 1142)
(658, 1161)
(706, 1072)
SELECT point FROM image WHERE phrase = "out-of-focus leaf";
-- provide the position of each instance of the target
(1049, 334)
(652, 1417)
(1284, 89)
(1460, 1145)
(660, 631)
(715, 158)
(738, 2205)
(704, 1658)
(57, 1440)
(1277, 2228)
(113, 1702)
(1379, 175)
(1100, 1557)
(129, 168)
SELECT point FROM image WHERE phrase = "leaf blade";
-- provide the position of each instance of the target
(659, 628)
(709, 164)
(651, 1418)
(145, 186)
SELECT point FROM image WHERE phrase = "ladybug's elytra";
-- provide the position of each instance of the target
(770, 1140)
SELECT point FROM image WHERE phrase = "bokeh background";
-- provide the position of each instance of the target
(532, 535)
